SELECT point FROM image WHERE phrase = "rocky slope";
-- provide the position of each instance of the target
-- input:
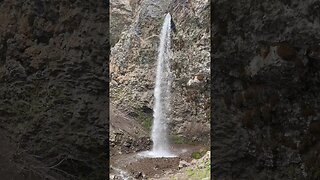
(266, 83)
(126, 134)
(53, 82)
(196, 169)
(133, 60)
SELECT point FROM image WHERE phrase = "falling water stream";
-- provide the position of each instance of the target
(161, 108)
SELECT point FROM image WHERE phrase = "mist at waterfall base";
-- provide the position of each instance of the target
(161, 108)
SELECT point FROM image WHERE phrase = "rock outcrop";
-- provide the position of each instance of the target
(266, 81)
(126, 134)
(197, 169)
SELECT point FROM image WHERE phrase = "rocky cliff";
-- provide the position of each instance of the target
(266, 81)
(133, 62)
(53, 83)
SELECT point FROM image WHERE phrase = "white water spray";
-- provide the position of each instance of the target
(162, 95)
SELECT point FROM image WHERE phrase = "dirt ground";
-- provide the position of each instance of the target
(154, 167)
(137, 166)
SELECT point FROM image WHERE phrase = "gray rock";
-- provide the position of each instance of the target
(183, 164)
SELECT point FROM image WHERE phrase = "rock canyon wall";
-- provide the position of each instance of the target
(133, 62)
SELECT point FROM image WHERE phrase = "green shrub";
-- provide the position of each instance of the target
(175, 139)
(196, 155)
(145, 120)
(147, 124)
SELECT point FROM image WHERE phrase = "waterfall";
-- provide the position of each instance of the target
(161, 108)
(162, 92)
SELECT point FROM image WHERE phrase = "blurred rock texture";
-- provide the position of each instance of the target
(266, 84)
(53, 82)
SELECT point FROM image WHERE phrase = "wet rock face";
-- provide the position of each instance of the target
(53, 81)
(265, 78)
(133, 65)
